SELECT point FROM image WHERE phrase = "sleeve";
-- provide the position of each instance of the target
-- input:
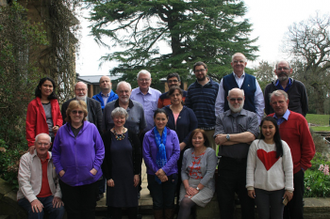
(287, 166)
(24, 174)
(147, 154)
(174, 157)
(193, 124)
(107, 164)
(251, 165)
(160, 103)
(184, 174)
(58, 192)
(104, 120)
(259, 102)
(63, 111)
(30, 124)
(99, 149)
(211, 164)
(266, 98)
(304, 100)
(99, 115)
(220, 101)
(56, 151)
(143, 123)
(307, 145)
(219, 128)
(253, 125)
(187, 101)
(137, 156)
(59, 121)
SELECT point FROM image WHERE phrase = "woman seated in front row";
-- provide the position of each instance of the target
(198, 166)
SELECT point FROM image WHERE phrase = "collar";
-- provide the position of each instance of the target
(278, 84)
(36, 155)
(149, 91)
(108, 94)
(130, 103)
(242, 76)
(230, 113)
(285, 116)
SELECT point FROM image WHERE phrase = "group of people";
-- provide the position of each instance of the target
(102, 140)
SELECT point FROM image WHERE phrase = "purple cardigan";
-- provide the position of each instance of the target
(172, 152)
(78, 155)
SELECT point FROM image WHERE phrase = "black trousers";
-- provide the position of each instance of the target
(231, 180)
(80, 201)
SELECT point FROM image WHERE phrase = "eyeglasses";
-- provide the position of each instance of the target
(45, 144)
(234, 99)
(200, 70)
(239, 61)
(77, 111)
(80, 90)
(172, 81)
(282, 68)
(144, 79)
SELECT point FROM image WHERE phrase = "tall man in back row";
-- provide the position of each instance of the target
(294, 130)
(295, 89)
(235, 129)
(254, 100)
(106, 95)
(201, 99)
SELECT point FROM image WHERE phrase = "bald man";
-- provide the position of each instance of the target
(106, 95)
(93, 107)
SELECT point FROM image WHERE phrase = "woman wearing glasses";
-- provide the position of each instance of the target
(78, 153)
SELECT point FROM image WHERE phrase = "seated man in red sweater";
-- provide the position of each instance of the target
(294, 130)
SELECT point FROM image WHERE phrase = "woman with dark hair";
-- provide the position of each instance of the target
(269, 172)
(78, 154)
(181, 119)
(198, 166)
(161, 152)
(121, 166)
(43, 113)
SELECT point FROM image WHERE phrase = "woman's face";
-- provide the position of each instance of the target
(268, 130)
(77, 115)
(198, 140)
(176, 98)
(119, 120)
(46, 88)
(160, 121)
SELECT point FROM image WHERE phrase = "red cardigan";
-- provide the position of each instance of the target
(295, 132)
(36, 119)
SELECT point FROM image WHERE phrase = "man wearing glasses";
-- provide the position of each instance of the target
(295, 89)
(201, 99)
(235, 129)
(254, 100)
(147, 96)
(173, 79)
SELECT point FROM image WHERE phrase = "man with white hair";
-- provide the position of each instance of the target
(147, 96)
(235, 129)
(39, 189)
(93, 107)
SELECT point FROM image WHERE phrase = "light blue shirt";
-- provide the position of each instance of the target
(149, 102)
(285, 117)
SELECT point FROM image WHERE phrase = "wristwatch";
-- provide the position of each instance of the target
(228, 137)
(197, 188)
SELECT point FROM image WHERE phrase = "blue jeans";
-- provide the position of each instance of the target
(54, 213)
(162, 194)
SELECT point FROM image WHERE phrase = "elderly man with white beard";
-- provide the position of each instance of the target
(235, 129)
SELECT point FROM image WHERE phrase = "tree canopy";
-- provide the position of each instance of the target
(194, 30)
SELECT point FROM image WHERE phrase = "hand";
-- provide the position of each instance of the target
(93, 171)
(190, 191)
(252, 194)
(136, 180)
(61, 173)
(288, 194)
(57, 202)
(31, 149)
(163, 178)
(36, 206)
(182, 146)
(160, 173)
(111, 183)
(55, 129)
(220, 139)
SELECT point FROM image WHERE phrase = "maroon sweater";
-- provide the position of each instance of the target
(296, 133)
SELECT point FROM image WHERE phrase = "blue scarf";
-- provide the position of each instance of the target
(161, 154)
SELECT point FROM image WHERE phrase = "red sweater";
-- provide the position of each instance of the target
(36, 119)
(295, 132)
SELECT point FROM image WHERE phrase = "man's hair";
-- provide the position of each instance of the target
(82, 83)
(171, 75)
(199, 64)
(278, 93)
(143, 72)
(236, 89)
(236, 54)
(40, 134)
(282, 61)
(124, 82)
(104, 76)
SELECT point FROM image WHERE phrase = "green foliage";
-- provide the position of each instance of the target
(318, 119)
(205, 30)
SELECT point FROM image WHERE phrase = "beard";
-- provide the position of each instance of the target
(201, 79)
(283, 77)
(83, 98)
(238, 109)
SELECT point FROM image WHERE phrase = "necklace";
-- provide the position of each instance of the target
(119, 137)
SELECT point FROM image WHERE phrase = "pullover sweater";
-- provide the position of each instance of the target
(265, 171)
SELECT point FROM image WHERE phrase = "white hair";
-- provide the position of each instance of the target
(143, 72)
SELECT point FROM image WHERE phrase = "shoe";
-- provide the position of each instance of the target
(99, 197)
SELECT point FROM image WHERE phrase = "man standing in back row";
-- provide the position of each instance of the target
(106, 95)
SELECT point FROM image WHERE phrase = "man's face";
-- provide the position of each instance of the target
(124, 93)
(238, 64)
(283, 71)
(105, 83)
(279, 104)
(200, 72)
(144, 81)
(80, 91)
(42, 145)
(236, 101)
(173, 82)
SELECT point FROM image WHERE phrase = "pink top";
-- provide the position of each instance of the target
(176, 115)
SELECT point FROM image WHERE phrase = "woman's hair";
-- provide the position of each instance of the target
(160, 110)
(196, 131)
(74, 104)
(119, 111)
(37, 92)
(277, 137)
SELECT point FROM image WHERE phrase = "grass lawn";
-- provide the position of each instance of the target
(321, 128)
(321, 120)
